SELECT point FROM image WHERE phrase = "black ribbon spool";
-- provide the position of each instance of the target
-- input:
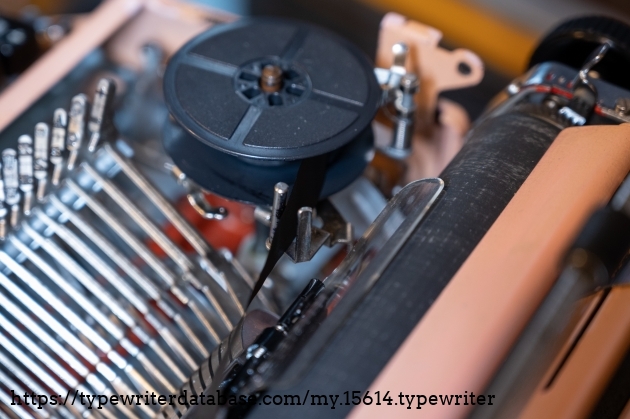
(235, 139)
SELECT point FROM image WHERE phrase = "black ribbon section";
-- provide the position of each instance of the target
(305, 193)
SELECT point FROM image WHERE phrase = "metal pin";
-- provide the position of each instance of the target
(263, 215)
(595, 57)
(11, 183)
(58, 143)
(405, 105)
(400, 51)
(40, 158)
(100, 118)
(280, 194)
(304, 233)
(76, 128)
(25, 170)
(271, 78)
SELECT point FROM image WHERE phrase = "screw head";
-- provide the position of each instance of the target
(622, 105)
(409, 83)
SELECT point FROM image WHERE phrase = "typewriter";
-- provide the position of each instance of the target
(210, 216)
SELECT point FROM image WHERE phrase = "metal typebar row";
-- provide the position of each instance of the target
(95, 297)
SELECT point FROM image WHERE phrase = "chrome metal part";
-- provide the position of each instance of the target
(233, 348)
(58, 143)
(622, 105)
(404, 121)
(40, 156)
(360, 269)
(25, 171)
(11, 183)
(263, 215)
(558, 79)
(280, 196)
(390, 78)
(197, 199)
(76, 127)
(596, 56)
(309, 239)
(100, 117)
(94, 296)
(304, 234)
(571, 115)
(400, 51)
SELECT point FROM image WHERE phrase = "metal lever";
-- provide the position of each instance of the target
(11, 183)
(596, 56)
(100, 118)
(390, 78)
(25, 170)
(196, 197)
(40, 156)
(76, 128)
(198, 201)
(405, 105)
(580, 108)
(280, 196)
(57, 143)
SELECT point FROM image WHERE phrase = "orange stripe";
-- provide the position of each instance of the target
(502, 45)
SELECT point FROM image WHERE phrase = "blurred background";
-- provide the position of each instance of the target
(502, 32)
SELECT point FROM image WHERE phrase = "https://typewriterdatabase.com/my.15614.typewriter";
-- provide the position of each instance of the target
(206, 216)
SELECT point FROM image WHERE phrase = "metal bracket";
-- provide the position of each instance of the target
(437, 68)
(310, 239)
(196, 197)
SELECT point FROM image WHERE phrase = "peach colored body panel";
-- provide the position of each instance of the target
(464, 336)
(626, 412)
(125, 25)
(64, 56)
(168, 23)
(583, 378)
(436, 67)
